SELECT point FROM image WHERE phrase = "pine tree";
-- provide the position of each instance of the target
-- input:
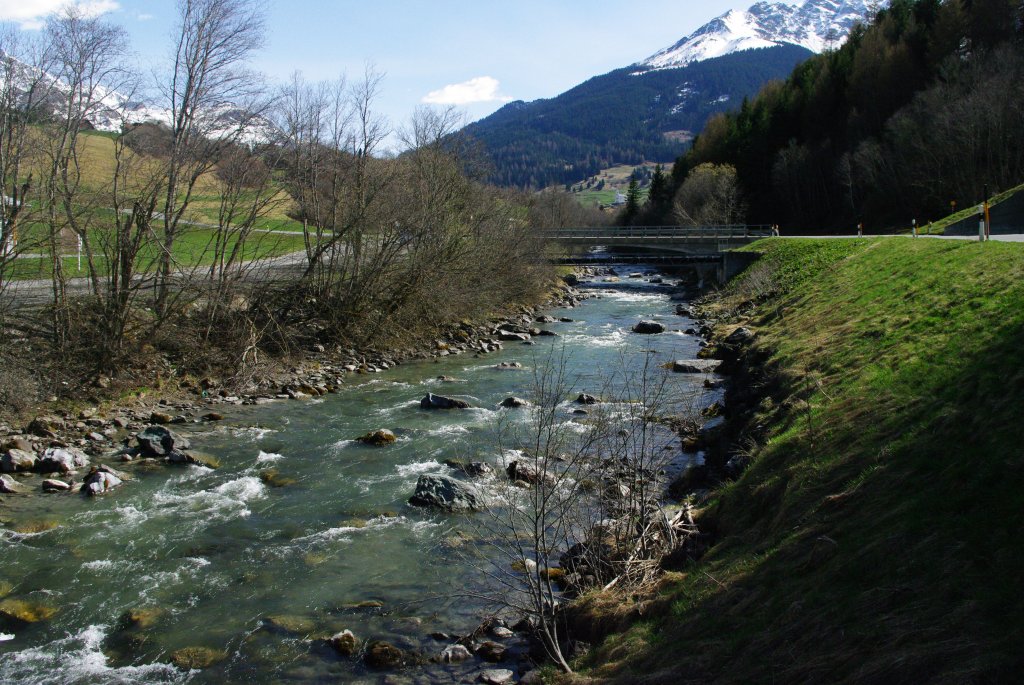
(632, 202)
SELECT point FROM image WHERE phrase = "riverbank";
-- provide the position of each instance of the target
(865, 530)
(99, 420)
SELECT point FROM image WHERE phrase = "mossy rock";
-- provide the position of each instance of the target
(382, 654)
(205, 460)
(378, 438)
(298, 625)
(272, 478)
(554, 574)
(141, 618)
(344, 643)
(5, 588)
(22, 612)
(315, 558)
(32, 527)
(197, 657)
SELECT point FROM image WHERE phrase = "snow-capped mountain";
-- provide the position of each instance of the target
(112, 111)
(812, 24)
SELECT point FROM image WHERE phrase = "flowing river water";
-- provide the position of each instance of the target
(258, 572)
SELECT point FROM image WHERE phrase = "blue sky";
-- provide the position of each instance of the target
(477, 54)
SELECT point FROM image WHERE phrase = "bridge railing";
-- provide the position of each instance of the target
(732, 231)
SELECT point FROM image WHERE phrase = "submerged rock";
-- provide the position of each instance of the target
(432, 401)
(453, 654)
(382, 654)
(20, 612)
(444, 492)
(197, 657)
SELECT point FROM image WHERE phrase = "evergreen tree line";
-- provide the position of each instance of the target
(923, 107)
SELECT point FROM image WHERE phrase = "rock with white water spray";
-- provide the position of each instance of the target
(432, 401)
(344, 643)
(444, 492)
(584, 398)
(514, 403)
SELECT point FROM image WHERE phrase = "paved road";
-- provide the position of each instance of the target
(40, 291)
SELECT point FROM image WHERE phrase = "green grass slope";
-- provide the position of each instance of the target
(875, 537)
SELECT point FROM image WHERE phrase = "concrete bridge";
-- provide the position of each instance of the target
(705, 247)
(695, 240)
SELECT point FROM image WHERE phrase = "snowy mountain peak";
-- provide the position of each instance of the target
(813, 24)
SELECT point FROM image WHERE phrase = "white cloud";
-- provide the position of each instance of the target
(145, 17)
(31, 14)
(479, 89)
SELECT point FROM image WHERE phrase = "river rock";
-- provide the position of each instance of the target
(157, 441)
(741, 336)
(17, 460)
(684, 310)
(584, 398)
(453, 654)
(189, 658)
(508, 365)
(62, 460)
(695, 365)
(9, 486)
(649, 328)
(514, 403)
(18, 443)
(546, 319)
(496, 676)
(15, 611)
(344, 643)
(160, 417)
(378, 438)
(491, 651)
(527, 473)
(54, 485)
(99, 482)
(382, 654)
(432, 401)
(44, 426)
(444, 492)
(509, 336)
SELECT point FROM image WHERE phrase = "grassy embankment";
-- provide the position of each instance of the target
(875, 535)
(195, 245)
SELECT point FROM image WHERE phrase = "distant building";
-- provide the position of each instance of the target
(619, 200)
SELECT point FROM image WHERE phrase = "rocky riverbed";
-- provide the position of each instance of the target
(270, 534)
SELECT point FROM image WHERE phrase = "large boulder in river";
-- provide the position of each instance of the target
(695, 365)
(444, 492)
(432, 401)
(62, 460)
(380, 654)
(514, 403)
(157, 441)
(17, 460)
(584, 398)
(649, 327)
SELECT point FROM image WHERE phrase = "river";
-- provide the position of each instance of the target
(255, 572)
